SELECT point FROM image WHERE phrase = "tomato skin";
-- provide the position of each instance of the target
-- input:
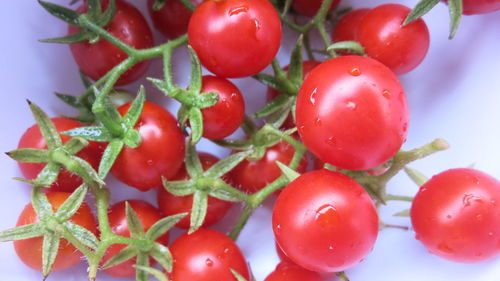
(173, 18)
(347, 27)
(456, 215)
(171, 205)
(331, 214)
(352, 113)
(309, 8)
(225, 117)
(475, 7)
(161, 152)
(128, 25)
(286, 271)
(30, 250)
(207, 255)
(66, 181)
(252, 176)
(385, 39)
(148, 215)
(235, 38)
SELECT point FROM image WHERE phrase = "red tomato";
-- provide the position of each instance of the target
(160, 154)
(171, 205)
(347, 27)
(66, 181)
(30, 250)
(401, 48)
(309, 8)
(148, 215)
(352, 113)
(173, 18)
(456, 215)
(96, 59)
(474, 7)
(252, 176)
(235, 38)
(325, 221)
(207, 255)
(286, 271)
(271, 94)
(226, 116)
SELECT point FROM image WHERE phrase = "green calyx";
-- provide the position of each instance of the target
(455, 8)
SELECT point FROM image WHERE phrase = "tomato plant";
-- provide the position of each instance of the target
(286, 271)
(235, 38)
(325, 221)
(310, 7)
(173, 18)
(160, 153)
(207, 255)
(456, 215)
(30, 250)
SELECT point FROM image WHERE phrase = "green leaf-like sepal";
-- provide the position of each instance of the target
(31, 155)
(270, 81)
(47, 128)
(456, 10)
(105, 18)
(108, 158)
(207, 99)
(193, 164)
(72, 204)
(22, 232)
(158, 4)
(235, 144)
(92, 133)
(416, 176)
(225, 192)
(422, 8)
(133, 222)
(196, 124)
(49, 252)
(46, 177)
(69, 39)
(63, 13)
(74, 145)
(158, 274)
(41, 204)
(352, 46)
(198, 211)
(163, 256)
(142, 261)
(404, 213)
(238, 276)
(162, 226)
(290, 174)
(273, 106)
(135, 110)
(179, 188)
(195, 84)
(225, 165)
(122, 256)
(295, 71)
(84, 170)
(188, 5)
(82, 234)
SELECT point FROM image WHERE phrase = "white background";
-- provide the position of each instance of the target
(454, 94)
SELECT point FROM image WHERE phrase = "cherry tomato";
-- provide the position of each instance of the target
(66, 181)
(235, 38)
(401, 48)
(226, 116)
(352, 113)
(148, 215)
(160, 154)
(173, 18)
(207, 255)
(325, 221)
(309, 8)
(474, 7)
(171, 205)
(347, 27)
(286, 271)
(271, 94)
(30, 250)
(96, 59)
(251, 176)
(456, 215)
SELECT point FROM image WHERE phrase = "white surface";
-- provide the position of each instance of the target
(454, 94)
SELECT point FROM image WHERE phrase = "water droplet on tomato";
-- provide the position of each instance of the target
(479, 217)
(386, 94)
(209, 262)
(226, 250)
(355, 71)
(239, 9)
(278, 226)
(449, 217)
(330, 141)
(233, 96)
(490, 233)
(257, 25)
(327, 215)
(317, 121)
(312, 97)
(445, 249)
(330, 248)
(351, 105)
(150, 162)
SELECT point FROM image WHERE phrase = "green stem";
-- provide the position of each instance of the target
(390, 197)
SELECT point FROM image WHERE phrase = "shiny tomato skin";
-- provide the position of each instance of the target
(128, 25)
(347, 27)
(30, 250)
(456, 215)
(287, 271)
(235, 38)
(171, 205)
(161, 152)
(148, 215)
(66, 181)
(252, 176)
(207, 255)
(225, 117)
(475, 7)
(173, 18)
(309, 8)
(332, 215)
(352, 113)
(401, 48)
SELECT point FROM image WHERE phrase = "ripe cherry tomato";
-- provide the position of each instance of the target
(235, 38)
(226, 116)
(173, 18)
(30, 250)
(325, 221)
(207, 255)
(66, 181)
(148, 215)
(309, 8)
(160, 154)
(287, 271)
(352, 113)
(474, 7)
(347, 27)
(401, 48)
(456, 215)
(171, 205)
(96, 59)
(271, 94)
(251, 176)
